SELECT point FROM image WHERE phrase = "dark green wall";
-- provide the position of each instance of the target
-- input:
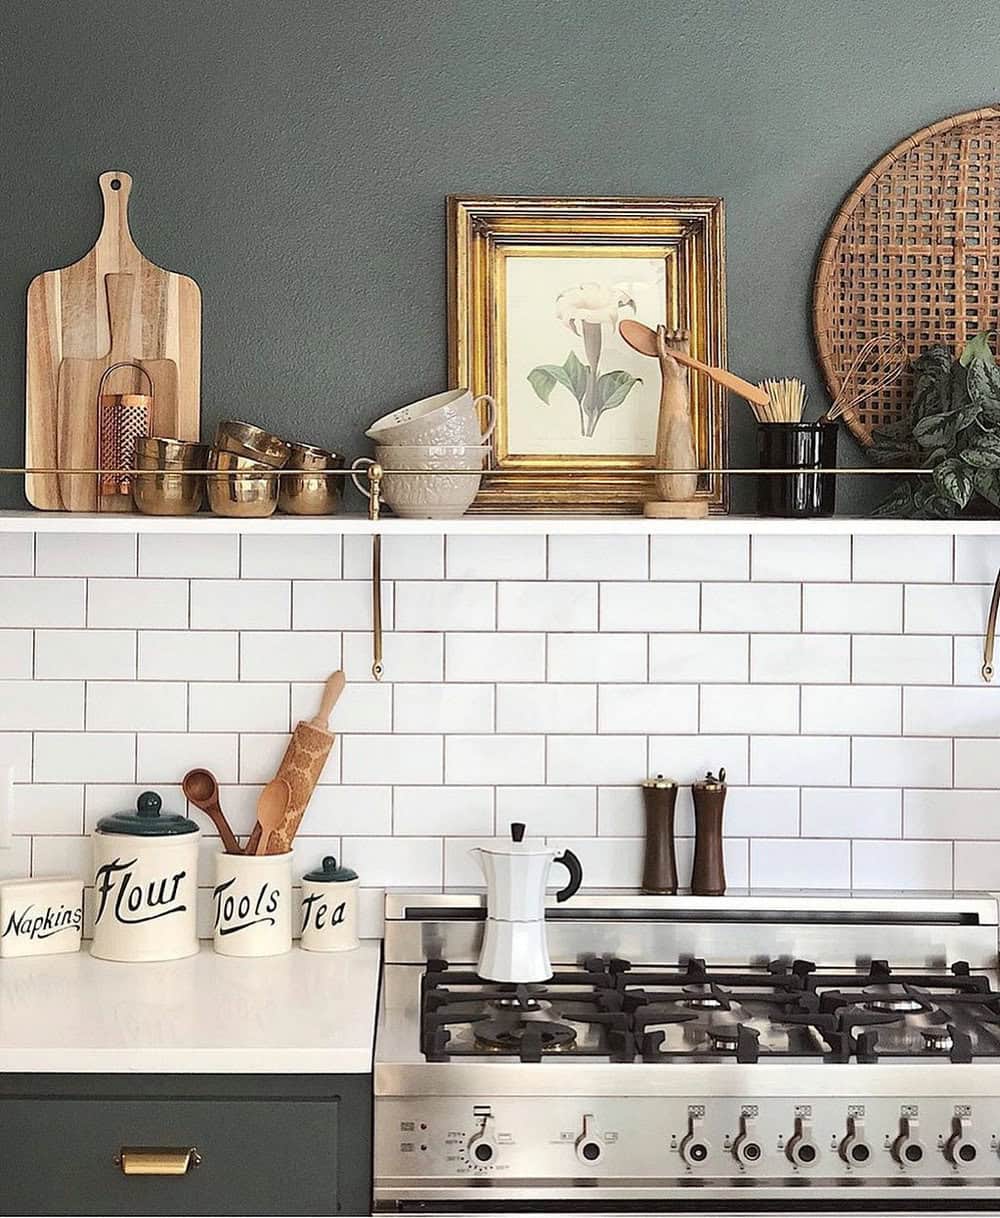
(293, 156)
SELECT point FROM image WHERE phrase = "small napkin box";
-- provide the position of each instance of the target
(40, 917)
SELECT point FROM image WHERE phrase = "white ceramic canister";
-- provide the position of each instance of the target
(145, 884)
(252, 904)
(41, 917)
(330, 908)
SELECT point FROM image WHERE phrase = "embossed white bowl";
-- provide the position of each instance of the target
(451, 417)
(428, 496)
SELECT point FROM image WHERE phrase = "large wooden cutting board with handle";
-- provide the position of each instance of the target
(157, 317)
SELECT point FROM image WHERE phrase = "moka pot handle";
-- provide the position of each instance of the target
(575, 869)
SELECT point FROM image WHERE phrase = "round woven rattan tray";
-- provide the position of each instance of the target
(914, 250)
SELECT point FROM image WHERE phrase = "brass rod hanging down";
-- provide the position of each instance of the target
(374, 489)
(991, 631)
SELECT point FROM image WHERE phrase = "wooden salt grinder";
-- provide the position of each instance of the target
(708, 878)
(659, 872)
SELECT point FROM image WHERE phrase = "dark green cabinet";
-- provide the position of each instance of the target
(269, 1144)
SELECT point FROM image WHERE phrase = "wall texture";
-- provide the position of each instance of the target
(294, 158)
(527, 678)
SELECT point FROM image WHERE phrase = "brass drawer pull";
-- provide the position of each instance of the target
(157, 1160)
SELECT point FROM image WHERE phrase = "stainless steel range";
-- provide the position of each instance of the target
(762, 1053)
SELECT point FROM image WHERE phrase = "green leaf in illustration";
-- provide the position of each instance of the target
(576, 373)
(953, 482)
(614, 387)
(544, 379)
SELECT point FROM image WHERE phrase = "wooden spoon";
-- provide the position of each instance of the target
(271, 809)
(202, 789)
(642, 339)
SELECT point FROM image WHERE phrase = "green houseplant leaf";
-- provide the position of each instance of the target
(953, 482)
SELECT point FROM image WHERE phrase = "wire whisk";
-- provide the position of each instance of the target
(878, 363)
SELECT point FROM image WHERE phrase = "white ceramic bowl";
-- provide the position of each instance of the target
(451, 417)
(427, 496)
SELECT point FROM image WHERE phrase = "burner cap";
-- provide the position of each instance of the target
(938, 1040)
(501, 1037)
(896, 1004)
(724, 1040)
(701, 998)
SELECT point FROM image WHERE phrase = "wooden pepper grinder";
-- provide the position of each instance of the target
(708, 878)
(659, 871)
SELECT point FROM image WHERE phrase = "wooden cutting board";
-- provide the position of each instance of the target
(69, 318)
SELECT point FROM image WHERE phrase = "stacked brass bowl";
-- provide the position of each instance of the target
(243, 450)
(164, 491)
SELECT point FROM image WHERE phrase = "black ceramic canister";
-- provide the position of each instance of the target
(807, 448)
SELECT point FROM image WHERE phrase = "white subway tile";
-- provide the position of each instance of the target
(433, 707)
(823, 761)
(647, 708)
(393, 759)
(444, 810)
(847, 813)
(73, 856)
(181, 556)
(352, 811)
(968, 656)
(55, 808)
(913, 762)
(548, 809)
(750, 708)
(41, 706)
(960, 609)
(762, 812)
(843, 608)
(977, 865)
(85, 554)
(15, 862)
(800, 558)
(245, 706)
(699, 558)
(900, 659)
(461, 868)
(495, 657)
(293, 556)
(83, 654)
(406, 556)
(335, 604)
(104, 799)
(292, 655)
(447, 605)
(597, 657)
(308, 852)
(655, 607)
(16, 656)
(407, 656)
(472, 760)
(698, 657)
(17, 554)
(404, 862)
(134, 604)
(360, 708)
(494, 557)
(926, 560)
(759, 608)
(187, 655)
(977, 559)
(686, 758)
(239, 802)
(137, 706)
(15, 750)
(84, 757)
(977, 764)
(601, 760)
(951, 814)
(261, 754)
(907, 866)
(819, 659)
(546, 606)
(846, 710)
(167, 756)
(932, 711)
(608, 862)
(621, 813)
(790, 863)
(241, 604)
(599, 557)
(546, 708)
(43, 602)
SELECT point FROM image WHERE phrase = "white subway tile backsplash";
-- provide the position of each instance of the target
(16, 751)
(597, 657)
(472, 760)
(597, 760)
(800, 558)
(17, 655)
(496, 657)
(762, 812)
(950, 814)
(137, 706)
(85, 554)
(436, 707)
(906, 866)
(800, 657)
(823, 761)
(701, 558)
(398, 862)
(847, 813)
(78, 654)
(608, 862)
(495, 557)
(289, 655)
(686, 758)
(843, 608)
(181, 556)
(407, 656)
(52, 808)
(646, 708)
(41, 705)
(393, 759)
(960, 609)
(447, 811)
(354, 811)
(240, 706)
(15, 862)
(241, 604)
(887, 560)
(699, 657)
(292, 556)
(73, 856)
(132, 604)
(753, 607)
(84, 757)
(600, 557)
(44, 602)
(879, 659)
(621, 813)
(167, 756)
(799, 863)
(182, 655)
(968, 656)
(930, 711)
(977, 559)
(448, 605)
(547, 810)
(546, 708)
(847, 710)
(977, 866)
(411, 556)
(367, 709)
(750, 708)
(261, 754)
(977, 763)
(17, 554)
(546, 606)
(652, 607)
(319, 604)
(884, 762)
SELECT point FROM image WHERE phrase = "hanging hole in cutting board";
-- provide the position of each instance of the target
(116, 184)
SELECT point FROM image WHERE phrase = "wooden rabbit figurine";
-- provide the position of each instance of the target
(675, 435)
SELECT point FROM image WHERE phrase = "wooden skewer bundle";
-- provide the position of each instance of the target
(786, 401)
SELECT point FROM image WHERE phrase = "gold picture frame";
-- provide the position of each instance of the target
(486, 237)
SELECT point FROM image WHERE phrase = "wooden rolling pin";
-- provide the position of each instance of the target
(301, 768)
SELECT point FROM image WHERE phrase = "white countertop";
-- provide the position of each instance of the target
(301, 1013)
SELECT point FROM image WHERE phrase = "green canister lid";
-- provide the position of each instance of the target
(330, 873)
(147, 820)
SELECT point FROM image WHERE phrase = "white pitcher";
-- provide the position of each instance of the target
(515, 947)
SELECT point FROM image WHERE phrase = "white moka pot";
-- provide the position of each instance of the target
(515, 946)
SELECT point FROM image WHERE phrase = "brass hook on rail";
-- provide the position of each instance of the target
(991, 631)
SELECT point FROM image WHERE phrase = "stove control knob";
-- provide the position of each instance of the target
(801, 1148)
(482, 1147)
(747, 1151)
(960, 1150)
(908, 1150)
(854, 1150)
(694, 1148)
(589, 1148)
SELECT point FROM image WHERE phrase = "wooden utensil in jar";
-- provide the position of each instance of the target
(202, 789)
(271, 809)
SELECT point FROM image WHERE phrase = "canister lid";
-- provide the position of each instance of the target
(660, 783)
(330, 873)
(147, 820)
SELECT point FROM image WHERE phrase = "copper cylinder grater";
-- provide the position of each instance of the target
(121, 419)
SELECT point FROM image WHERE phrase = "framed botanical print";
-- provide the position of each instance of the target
(537, 287)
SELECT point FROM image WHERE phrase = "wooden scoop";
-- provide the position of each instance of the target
(642, 339)
(202, 789)
(271, 809)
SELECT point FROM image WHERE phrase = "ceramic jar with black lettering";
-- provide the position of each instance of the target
(145, 884)
(330, 908)
(252, 904)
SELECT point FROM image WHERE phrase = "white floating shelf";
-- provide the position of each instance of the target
(114, 522)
